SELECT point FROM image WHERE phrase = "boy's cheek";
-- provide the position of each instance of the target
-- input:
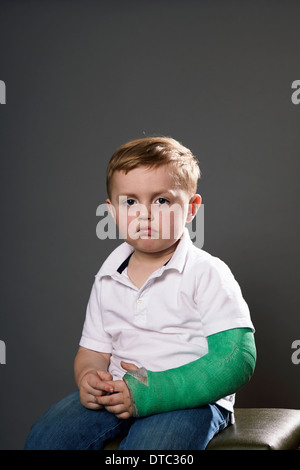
(170, 225)
(122, 223)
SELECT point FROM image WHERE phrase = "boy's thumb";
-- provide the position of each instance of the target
(104, 375)
(128, 366)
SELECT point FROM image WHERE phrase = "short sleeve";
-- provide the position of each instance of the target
(94, 336)
(220, 300)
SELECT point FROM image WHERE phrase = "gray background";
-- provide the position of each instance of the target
(82, 77)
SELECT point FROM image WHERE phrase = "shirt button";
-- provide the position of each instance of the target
(139, 301)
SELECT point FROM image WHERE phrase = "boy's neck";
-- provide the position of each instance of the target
(160, 257)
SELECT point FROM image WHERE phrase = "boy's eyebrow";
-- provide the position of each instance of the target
(152, 195)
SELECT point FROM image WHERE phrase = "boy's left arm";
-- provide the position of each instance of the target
(227, 367)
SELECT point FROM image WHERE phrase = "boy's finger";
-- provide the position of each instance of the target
(110, 400)
(99, 385)
(103, 387)
(107, 388)
(117, 385)
(116, 410)
(128, 366)
(100, 391)
(104, 375)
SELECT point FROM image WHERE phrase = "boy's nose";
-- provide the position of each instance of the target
(144, 212)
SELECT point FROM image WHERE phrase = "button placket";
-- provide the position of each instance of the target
(140, 308)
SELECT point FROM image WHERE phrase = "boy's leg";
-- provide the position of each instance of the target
(69, 425)
(190, 429)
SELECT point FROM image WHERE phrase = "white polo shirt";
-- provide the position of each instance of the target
(164, 324)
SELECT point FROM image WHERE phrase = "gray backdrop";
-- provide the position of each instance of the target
(81, 78)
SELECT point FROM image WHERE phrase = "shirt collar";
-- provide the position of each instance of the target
(116, 258)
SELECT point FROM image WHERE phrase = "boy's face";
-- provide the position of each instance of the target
(149, 209)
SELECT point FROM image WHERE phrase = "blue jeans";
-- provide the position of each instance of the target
(69, 425)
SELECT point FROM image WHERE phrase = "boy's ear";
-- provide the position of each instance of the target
(111, 208)
(194, 204)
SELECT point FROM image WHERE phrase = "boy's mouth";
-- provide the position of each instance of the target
(146, 230)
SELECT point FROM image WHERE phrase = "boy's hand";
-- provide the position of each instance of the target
(94, 384)
(119, 402)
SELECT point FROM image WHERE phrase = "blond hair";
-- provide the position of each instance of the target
(154, 152)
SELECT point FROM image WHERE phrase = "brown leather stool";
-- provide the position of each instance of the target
(254, 429)
(260, 429)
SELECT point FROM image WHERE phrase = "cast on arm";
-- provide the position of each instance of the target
(226, 368)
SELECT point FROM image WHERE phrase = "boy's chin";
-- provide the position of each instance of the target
(150, 245)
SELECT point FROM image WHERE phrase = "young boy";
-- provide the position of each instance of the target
(167, 339)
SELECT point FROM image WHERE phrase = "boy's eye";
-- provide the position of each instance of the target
(162, 200)
(130, 202)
